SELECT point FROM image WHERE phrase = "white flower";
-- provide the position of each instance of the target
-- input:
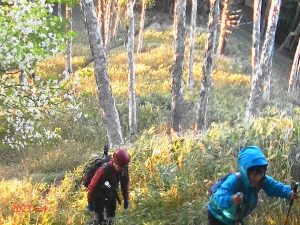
(27, 30)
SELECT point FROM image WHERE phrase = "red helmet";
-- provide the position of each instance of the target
(121, 157)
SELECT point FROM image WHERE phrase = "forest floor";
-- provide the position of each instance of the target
(237, 51)
(170, 173)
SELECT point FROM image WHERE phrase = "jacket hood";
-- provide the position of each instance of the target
(250, 156)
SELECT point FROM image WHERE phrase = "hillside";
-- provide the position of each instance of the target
(170, 173)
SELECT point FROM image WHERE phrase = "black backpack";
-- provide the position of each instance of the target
(93, 164)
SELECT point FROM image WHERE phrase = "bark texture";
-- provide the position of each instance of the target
(107, 102)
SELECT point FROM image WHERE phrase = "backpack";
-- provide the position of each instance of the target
(93, 164)
(218, 184)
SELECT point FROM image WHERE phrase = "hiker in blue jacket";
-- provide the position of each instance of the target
(237, 196)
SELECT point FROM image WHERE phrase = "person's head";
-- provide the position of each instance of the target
(252, 164)
(121, 158)
(256, 175)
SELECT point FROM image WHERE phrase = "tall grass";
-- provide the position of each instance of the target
(170, 174)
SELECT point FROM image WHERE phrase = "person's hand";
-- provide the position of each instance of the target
(293, 195)
(126, 203)
(237, 198)
(90, 207)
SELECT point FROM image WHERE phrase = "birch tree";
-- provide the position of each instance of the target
(131, 73)
(99, 4)
(59, 14)
(68, 62)
(266, 61)
(208, 63)
(107, 22)
(259, 80)
(256, 36)
(294, 76)
(267, 81)
(142, 24)
(100, 10)
(107, 102)
(177, 72)
(117, 19)
(108, 19)
(192, 44)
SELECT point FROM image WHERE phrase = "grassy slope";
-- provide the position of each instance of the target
(170, 174)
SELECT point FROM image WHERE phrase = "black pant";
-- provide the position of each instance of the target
(212, 220)
(109, 204)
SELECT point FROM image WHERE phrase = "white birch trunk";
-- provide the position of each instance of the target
(111, 24)
(256, 36)
(294, 76)
(177, 72)
(98, 11)
(117, 20)
(107, 102)
(68, 63)
(258, 81)
(142, 24)
(192, 44)
(208, 63)
(107, 24)
(131, 73)
(267, 82)
(101, 18)
(59, 14)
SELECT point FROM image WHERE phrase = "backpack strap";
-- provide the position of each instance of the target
(105, 166)
(240, 184)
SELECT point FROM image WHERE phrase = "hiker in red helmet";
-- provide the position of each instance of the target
(102, 190)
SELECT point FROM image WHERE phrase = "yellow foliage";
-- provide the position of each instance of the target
(43, 204)
(271, 221)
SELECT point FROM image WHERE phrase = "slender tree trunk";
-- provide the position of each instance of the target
(258, 81)
(100, 5)
(267, 82)
(107, 23)
(256, 36)
(223, 27)
(208, 62)
(131, 74)
(102, 19)
(98, 12)
(68, 64)
(192, 44)
(59, 14)
(175, 16)
(177, 73)
(266, 61)
(107, 102)
(294, 76)
(142, 24)
(172, 7)
(117, 20)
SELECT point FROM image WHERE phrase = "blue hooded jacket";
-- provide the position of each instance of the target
(221, 204)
